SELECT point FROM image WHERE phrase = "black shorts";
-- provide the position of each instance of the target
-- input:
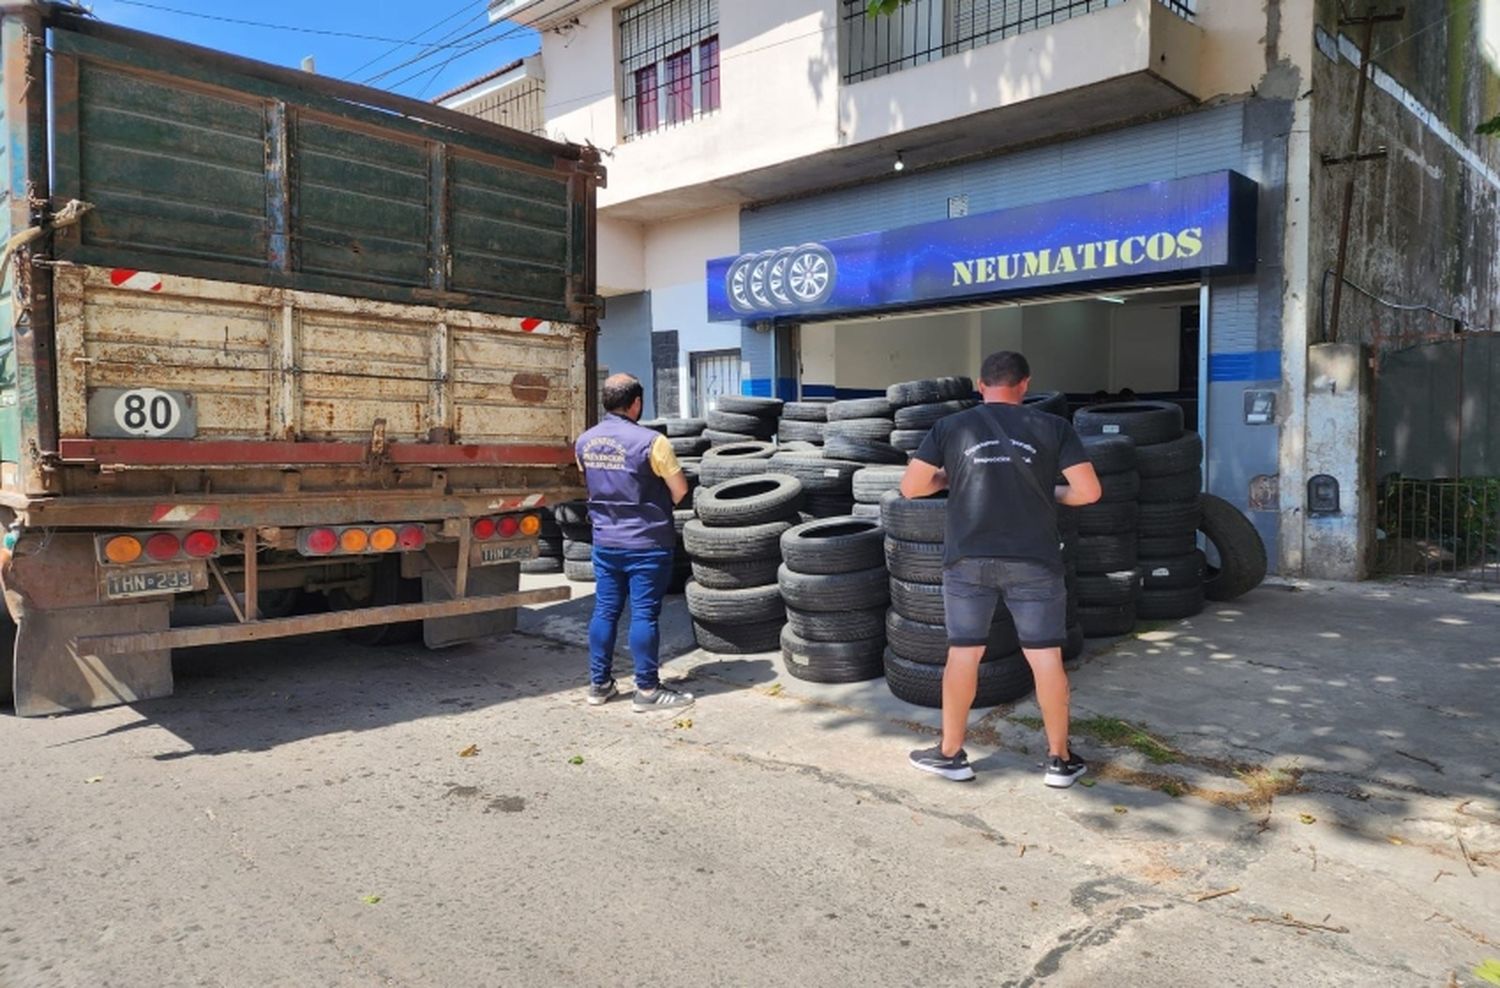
(1034, 593)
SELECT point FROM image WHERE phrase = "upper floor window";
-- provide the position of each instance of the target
(669, 62)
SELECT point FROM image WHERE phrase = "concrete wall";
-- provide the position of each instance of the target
(625, 342)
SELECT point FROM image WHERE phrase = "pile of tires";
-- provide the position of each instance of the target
(918, 405)
(549, 548)
(803, 421)
(1105, 551)
(827, 484)
(917, 640)
(859, 431)
(1051, 402)
(734, 545)
(577, 532)
(1169, 512)
(833, 580)
(686, 435)
(871, 484)
(742, 418)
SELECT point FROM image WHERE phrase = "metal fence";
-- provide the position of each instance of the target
(923, 31)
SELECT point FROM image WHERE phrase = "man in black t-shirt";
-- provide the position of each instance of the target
(998, 462)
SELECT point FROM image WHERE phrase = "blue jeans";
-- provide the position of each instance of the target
(643, 575)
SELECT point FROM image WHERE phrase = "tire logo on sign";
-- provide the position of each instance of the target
(147, 412)
(780, 280)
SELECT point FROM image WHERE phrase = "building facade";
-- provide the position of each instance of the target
(1145, 196)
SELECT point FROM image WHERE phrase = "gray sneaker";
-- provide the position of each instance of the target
(599, 695)
(661, 698)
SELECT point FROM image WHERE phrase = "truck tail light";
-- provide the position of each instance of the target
(163, 546)
(201, 545)
(321, 541)
(484, 529)
(530, 525)
(123, 549)
(412, 537)
(509, 526)
(354, 540)
(383, 539)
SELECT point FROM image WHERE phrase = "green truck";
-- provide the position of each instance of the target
(268, 339)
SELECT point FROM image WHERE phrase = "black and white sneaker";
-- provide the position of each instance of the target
(661, 698)
(598, 695)
(1062, 773)
(955, 767)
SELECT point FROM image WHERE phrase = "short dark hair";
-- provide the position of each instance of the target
(620, 392)
(1004, 369)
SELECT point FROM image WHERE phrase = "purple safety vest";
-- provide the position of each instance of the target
(629, 505)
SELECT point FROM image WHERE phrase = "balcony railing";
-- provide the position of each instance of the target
(923, 31)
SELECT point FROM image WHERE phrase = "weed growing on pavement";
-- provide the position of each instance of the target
(1035, 723)
(1122, 734)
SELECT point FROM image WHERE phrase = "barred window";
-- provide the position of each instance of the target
(669, 63)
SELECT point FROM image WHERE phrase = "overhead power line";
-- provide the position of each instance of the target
(467, 4)
(400, 42)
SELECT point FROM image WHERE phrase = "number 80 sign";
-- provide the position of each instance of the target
(142, 413)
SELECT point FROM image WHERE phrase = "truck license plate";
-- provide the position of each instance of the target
(152, 582)
(494, 555)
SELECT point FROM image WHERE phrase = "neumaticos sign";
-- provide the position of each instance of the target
(1202, 223)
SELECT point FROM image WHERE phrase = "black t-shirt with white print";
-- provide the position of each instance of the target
(993, 509)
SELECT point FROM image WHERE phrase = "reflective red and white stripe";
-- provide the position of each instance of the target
(518, 503)
(184, 514)
(541, 326)
(141, 281)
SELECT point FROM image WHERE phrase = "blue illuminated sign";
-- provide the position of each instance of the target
(1202, 223)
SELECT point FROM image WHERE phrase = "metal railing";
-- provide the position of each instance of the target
(923, 31)
(1439, 527)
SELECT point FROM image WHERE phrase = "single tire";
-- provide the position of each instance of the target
(859, 408)
(805, 411)
(863, 451)
(750, 500)
(1075, 644)
(716, 471)
(753, 449)
(841, 661)
(1110, 454)
(875, 430)
(1176, 456)
(928, 392)
(1115, 487)
(763, 408)
(689, 445)
(736, 422)
(578, 552)
(574, 513)
(1173, 487)
(750, 605)
(734, 574)
(1169, 518)
(914, 562)
(1166, 546)
(918, 601)
(819, 474)
(1170, 605)
(717, 438)
(1002, 681)
(742, 542)
(1242, 554)
(926, 416)
(792, 430)
(1051, 402)
(914, 520)
(857, 591)
(1107, 622)
(738, 638)
(870, 483)
(542, 564)
(1176, 573)
(1106, 553)
(920, 641)
(833, 545)
(865, 511)
(909, 440)
(837, 626)
(1146, 422)
(1108, 589)
(685, 427)
(578, 571)
(1108, 517)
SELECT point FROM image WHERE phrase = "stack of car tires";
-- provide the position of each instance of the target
(918, 405)
(917, 639)
(859, 431)
(735, 547)
(1105, 551)
(834, 583)
(1169, 512)
(803, 421)
(549, 548)
(572, 519)
(742, 418)
(870, 485)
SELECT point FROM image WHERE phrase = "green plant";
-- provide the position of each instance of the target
(1458, 517)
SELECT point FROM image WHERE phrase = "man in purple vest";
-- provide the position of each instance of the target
(634, 482)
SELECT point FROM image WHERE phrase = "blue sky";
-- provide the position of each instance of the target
(473, 45)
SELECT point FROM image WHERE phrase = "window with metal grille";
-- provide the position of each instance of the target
(923, 31)
(669, 63)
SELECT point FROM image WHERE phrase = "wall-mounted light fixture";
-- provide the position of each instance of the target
(900, 165)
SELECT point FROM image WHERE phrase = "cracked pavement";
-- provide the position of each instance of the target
(1338, 821)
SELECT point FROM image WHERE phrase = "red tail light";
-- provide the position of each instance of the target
(322, 541)
(484, 529)
(201, 545)
(163, 546)
(509, 526)
(413, 537)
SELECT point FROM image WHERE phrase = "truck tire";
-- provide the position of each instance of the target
(738, 638)
(1115, 487)
(741, 542)
(1108, 517)
(926, 416)
(833, 545)
(859, 408)
(1242, 554)
(845, 661)
(918, 601)
(750, 500)
(1107, 622)
(1176, 456)
(1146, 422)
(1173, 487)
(914, 562)
(859, 590)
(685, 427)
(735, 574)
(870, 483)
(1051, 402)
(1108, 589)
(1170, 605)
(1177, 573)
(763, 408)
(748, 605)
(929, 391)
(1107, 553)
(793, 430)
(744, 424)
(1169, 518)
(863, 451)
(837, 626)
(578, 572)
(872, 430)
(1002, 681)
(1110, 454)
(914, 520)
